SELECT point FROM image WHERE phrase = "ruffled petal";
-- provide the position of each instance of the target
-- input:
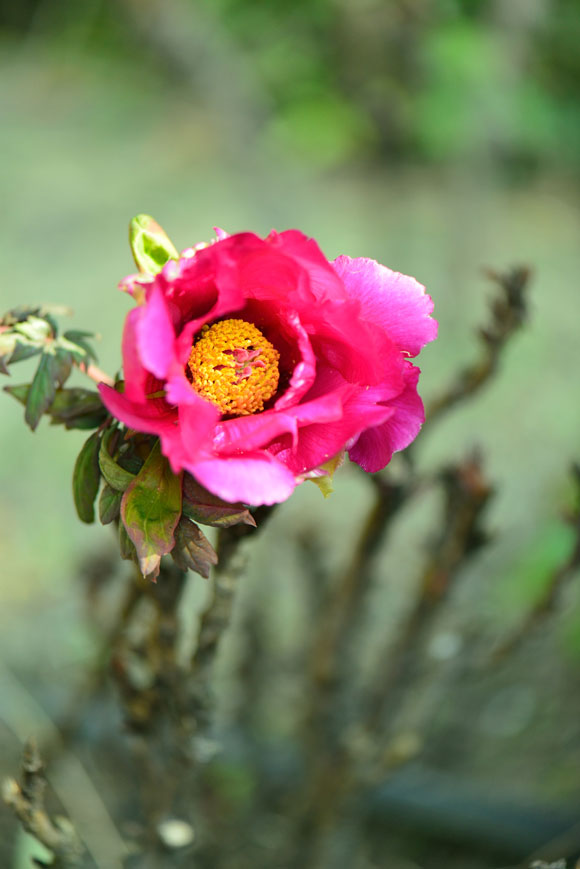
(252, 432)
(318, 442)
(320, 276)
(398, 303)
(375, 446)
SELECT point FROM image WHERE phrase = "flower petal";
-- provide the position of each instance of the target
(398, 303)
(320, 441)
(254, 478)
(155, 335)
(375, 446)
(154, 417)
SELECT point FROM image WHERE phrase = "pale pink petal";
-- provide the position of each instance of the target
(398, 303)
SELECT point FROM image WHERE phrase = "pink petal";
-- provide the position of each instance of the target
(305, 251)
(318, 442)
(255, 478)
(149, 417)
(155, 335)
(136, 376)
(374, 448)
(397, 302)
(253, 432)
(304, 371)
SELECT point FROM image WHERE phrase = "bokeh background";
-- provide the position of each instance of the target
(436, 137)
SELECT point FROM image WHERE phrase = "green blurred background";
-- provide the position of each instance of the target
(435, 137)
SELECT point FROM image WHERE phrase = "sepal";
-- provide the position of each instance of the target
(150, 511)
(201, 506)
(150, 245)
(192, 550)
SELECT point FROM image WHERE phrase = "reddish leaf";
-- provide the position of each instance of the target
(192, 550)
(150, 511)
(199, 505)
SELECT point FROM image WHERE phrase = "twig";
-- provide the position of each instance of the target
(467, 495)
(69, 779)
(343, 611)
(336, 775)
(97, 374)
(508, 312)
(545, 605)
(27, 801)
(217, 615)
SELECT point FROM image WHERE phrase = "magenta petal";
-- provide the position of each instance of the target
(252, 432)
(375, 446)
(304, 371)
(318, 271)
(318, 443)
(155, 335)
(149, 418)
(255, 478)
(398, 303)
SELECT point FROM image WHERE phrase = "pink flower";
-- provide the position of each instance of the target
(257, 361)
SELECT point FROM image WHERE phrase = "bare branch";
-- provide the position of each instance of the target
(508, 313)
(26, 799)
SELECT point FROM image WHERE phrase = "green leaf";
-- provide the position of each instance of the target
(75, 408)
(199, 505)
(126, 547)
(324, 482)
(86, 478)
(24, 350)
(192, 550)
(63, 365)
(150, 511)
(42, 390)
(35, 329)
(116, 476)
(75, 342)
(109, 504)
(7, 347)
(20, 393)
(150, 245)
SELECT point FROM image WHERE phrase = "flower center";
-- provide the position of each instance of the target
(235, 367)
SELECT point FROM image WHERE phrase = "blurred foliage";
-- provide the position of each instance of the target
(415, 79)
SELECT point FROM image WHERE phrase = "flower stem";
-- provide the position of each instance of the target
(96, 374)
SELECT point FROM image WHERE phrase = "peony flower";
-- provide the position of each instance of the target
(257, 361)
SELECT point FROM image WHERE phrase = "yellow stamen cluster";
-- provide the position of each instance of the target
(235, 367)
